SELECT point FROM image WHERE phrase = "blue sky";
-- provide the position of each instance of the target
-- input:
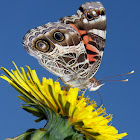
(121, 55)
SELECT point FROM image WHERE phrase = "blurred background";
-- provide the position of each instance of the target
(121, 55)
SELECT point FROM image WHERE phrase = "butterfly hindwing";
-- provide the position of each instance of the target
(90, 23)
(71, 48)
(58, 48)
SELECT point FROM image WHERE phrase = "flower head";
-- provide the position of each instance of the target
(46, 98)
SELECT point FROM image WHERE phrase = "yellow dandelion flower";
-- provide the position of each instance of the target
(68, 115)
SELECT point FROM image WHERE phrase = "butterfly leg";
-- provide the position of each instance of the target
(57, 79)
(100, 99)
(83, 90)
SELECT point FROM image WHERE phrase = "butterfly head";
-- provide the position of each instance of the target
(94, 84)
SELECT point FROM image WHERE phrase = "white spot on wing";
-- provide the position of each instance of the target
(90, 7)
(101, 53)
(85, 20)
(67, 36)
(79, 13)
(93, 12)
(98, 32)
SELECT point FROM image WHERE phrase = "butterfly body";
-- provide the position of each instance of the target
(71, 48)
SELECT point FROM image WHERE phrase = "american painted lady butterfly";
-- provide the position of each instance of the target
(73, 47)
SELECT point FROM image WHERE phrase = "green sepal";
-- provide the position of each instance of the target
(24, 136)
(59, 129)
(25, 99)
(67, 107)
(39, 119)
(35, 112)
(56, 128)
(39, 134)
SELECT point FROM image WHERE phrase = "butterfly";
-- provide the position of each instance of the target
(71, 48)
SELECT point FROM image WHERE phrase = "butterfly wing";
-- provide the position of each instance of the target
(73, 47)
(58, 48)
(90, 23)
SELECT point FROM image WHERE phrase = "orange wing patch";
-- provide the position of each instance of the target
(91, 50)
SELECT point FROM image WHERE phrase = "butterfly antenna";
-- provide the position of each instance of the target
(104, 79)
(100, 99)
(125, 80)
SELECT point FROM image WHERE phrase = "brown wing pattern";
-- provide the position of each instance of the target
(58, 48)
(90, 23)
(73, 47)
